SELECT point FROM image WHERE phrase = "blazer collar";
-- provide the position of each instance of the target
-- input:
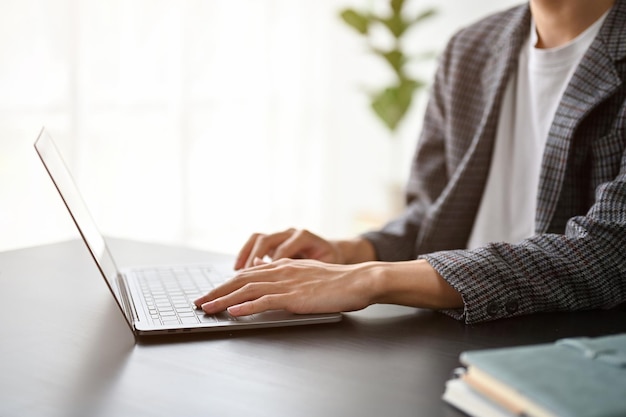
(612, 33)
(505, 52)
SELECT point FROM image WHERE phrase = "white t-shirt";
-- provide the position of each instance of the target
(508, 205)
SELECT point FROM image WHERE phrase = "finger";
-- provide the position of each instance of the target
(204, 299)
(243, 278)
(301, 244)
(290, 247)
(248, 292)
(227, 287)
(265, 303)
(266, 245)
(258, 261)
(244, 253)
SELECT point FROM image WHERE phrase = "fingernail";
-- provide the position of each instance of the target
(208, 307)
(234, 310)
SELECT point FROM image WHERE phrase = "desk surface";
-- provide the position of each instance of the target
(66, 351)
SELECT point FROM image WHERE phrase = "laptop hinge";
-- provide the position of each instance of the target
(127, 304)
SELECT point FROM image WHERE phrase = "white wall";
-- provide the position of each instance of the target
(200, 122)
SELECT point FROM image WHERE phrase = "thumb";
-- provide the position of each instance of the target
(258, 261)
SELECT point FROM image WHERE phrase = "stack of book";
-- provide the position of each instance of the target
(577, 377)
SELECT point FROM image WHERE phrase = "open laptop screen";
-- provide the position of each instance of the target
(62, 179)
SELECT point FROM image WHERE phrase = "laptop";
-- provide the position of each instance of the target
(157, 299)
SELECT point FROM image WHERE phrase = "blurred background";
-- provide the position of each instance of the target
(201, 122)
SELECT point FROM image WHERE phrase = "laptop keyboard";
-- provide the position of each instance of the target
(169, 294)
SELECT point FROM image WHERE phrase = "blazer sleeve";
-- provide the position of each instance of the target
(583, 268)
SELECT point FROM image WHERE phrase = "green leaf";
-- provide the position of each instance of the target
(398, 25)
(387, 107)
(392, 103)
(356, 20)
(396, 59)
(395, 23)
(396, 6)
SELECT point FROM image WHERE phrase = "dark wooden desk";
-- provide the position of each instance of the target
(66, 351)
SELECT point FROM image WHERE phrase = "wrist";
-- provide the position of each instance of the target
(354, 251)
(414, 283)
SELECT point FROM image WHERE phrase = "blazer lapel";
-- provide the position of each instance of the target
(475, 167)
(595, 79)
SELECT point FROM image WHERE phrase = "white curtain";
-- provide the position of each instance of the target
(200, 122)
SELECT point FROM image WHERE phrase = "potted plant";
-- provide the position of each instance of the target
(391, 103)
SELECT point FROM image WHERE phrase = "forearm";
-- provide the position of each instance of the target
(413, 283)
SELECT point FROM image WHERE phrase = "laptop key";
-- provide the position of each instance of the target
(224, 316)
(205, 318)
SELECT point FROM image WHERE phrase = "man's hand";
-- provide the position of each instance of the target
(310, 286)
(299, 286)
(302, 244)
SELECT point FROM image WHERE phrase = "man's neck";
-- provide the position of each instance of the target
(560, 21)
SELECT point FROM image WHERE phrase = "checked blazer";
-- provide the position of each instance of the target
(577, 258)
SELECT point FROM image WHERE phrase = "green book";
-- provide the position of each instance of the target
(575, 377)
